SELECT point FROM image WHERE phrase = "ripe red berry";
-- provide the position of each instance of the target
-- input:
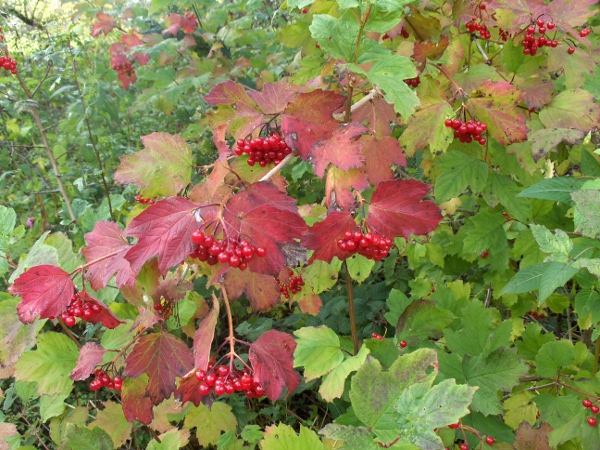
(204, 388)
(200, 374)
(587, 403)
(490, 440)
(592, 421)
(595, 409)
(550, 25)
(454, 425)
(304, 10)
(540, 23)
(482, 6)
(485, 254)
(198, 237)
(571, 50)
(261, 251)
(464, 446)
(403, 344)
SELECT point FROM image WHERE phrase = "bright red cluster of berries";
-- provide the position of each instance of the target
(535, 315)
(467, 131)
(7, 63)
(594, 409)
(224, 381)
(145, 201)
(263, 150)
(371, 246)
(413, 82)
(124, 68)
(377, 336)
(102, 379)
(585, 32)
(474, 27)
(293, 286)
(235, 253)
(531, 42)
(79, 308)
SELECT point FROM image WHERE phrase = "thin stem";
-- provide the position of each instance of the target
(460, 90)
(278, 167)
(485, 56)
(230, 337)
(35, 431)
(69, 333)
(367, 98)
(102, 258)
(351, 311)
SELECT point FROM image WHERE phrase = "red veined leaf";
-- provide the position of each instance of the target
(164, 230)
(430, 49)
(131, 40)
(107, 244)
(176, 21)
(136, 402)
(274, 97)
(342, 149)
(397, 209)
(337, 187)
(325, 234)
(228, 93)
(263, 193)
(262, 290)
(145, 320)
(310, 118)
(204, 336)
(188, 390)
(273, 363)
(378, 114)
(379, 155)
(171, 288)
(104, 25)
(523, 12)
(46, 291)
(212, 189)
(105, 316)
(162, 357)
(90, 356)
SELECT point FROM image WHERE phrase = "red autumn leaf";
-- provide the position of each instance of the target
(262, 290)
(342, 149)
(537, 91)
(145, 320)
(204, 336)
(325, 234)
(171, 288)
(188, 390)
(430, 49)
(379, 155)
(263, 193)
(274, 97)
(212, 189)
(127, 78)
(164, 230)
(162, 357)
(136, 403)
(523, 12)
(273, 363)
(106, 317)
(378, 114)
(141, 57)
(309, 303)
(337, 187)
(310, 118)
(397, 209)
(131, 40)
(572, 13)
(90, 356)
(104, 25)
(176, 21)
(107, 244)
(229, 93)
(45, 290)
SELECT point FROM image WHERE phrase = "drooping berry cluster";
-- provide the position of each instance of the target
(263, 150)
(585, 32)
(233, 252)
(467, 131)
(474, 27)
(293, 286)
(594, 409)
(145, 201)
(223, 381)
(531, 42)
(102, 379)
(369, 245)
(377, 336)
(7, 63)
(413, 82)
(81, 308)
(124, 68)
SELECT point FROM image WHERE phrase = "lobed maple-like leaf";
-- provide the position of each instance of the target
(90, 356)
(378, 114)
(188, 390)
(379, 155)
(212, 189)
(430, 49)
(104, 25)
(107, 244)
(137, 405)
(164, 230)
(204, 336)
(263, 193)
(342, 149)
(274, 97)
(162, 357)
(310, 118)
(272, 358)
(229, 93)
(426, 128)
(325, 234)
(163, 168)
(262, 290)
(176, 21)
(337, 187)
(106, 317)
(397, 209)
(514, 15)
(171, 287)
(46, 291)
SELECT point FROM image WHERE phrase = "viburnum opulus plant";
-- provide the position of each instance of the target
(376, 112)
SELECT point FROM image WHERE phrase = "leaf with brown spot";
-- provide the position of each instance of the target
(136, 402)
(261, 289)
(379, 155)
(529, 438)
(337, 187)
(342, 149)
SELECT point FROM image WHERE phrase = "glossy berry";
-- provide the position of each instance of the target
(490, 440)
(304, 10)
(550, 25)
(403, 344)
(454, 425)
(595, 409)
(587, 403)
(571, 50)
(592, 421)
(263, 151)
(464, 446)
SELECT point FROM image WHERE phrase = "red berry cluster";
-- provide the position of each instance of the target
(102, 379)
(377, 336)
(585, 32)
(371, 246)
(263, 150)
(293, 286)
(473, 27)
(535, 315)
(504, 35)
(413, 82)
(467, 131)
(124, 68)
(145, 201)
(224, 381)
(79, 308)
(7, 63)
(594, 409)
(531, 42)
(235, 253)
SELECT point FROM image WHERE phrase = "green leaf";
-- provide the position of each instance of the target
(558, 244)
(209, 423)
(39, 254)
(548, 139)
(501, 189)
(587, 302)
(557, 410)
(283, 437)
(52, 406)
(82, 438)
(113, 421)
(557, 189)
(322, 276)
(333, 384)
(554, 355)
(396, 303)
(459, 171)
(171, 440)
(573, 108)
(8, 220)
(576, 427)
(419, 410)
(355, 438)
(532, 341)
(519, 408)
(556, 274)
(318, 350)
(587, 212)
(50, 365)
(359, 267)
(421, 320)
(526, 280)
(485, 231)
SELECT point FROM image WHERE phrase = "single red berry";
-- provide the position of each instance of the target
(540, 23)
(571, 50)
(211, 379)
(587, 403)
(550, 25)
(223, 370)
(198, 237)
(482, 6)
(454, 425)
(592, 421)
(219, 389)
(403, 344)
(200, 374)
(486, 252)
(261, 251)
(304, 11)
(464, 446)
(118, 379)
(204, 388)
(595, 409)
(490, 440)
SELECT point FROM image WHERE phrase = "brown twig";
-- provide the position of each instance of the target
(351, 311)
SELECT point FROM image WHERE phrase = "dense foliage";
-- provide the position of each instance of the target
(324, 224)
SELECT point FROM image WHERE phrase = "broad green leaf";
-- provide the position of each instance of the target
(355, 438)
(502, 189)
(82, 438)
(587, 212)
(322, 276)
(359, 267)
(485, 231)
(532, 341)
(548, 139)
(318, 350)
(554, 355)
(283, 437)
(421, 320)
(39, 254)
(573, 108)
(8, 220)
(526, 280)
(209, 423)
(587, 302)
(556, 274)
(171, 440)
(426, 128)
(558, 244)
(557, 410)
(519, 408)
(458, 171)
(397, 303)
(112, 420)
(420, 409)
(50, 364)
(576, 427)
(333, 384)
(557, 189)
(52, 406)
